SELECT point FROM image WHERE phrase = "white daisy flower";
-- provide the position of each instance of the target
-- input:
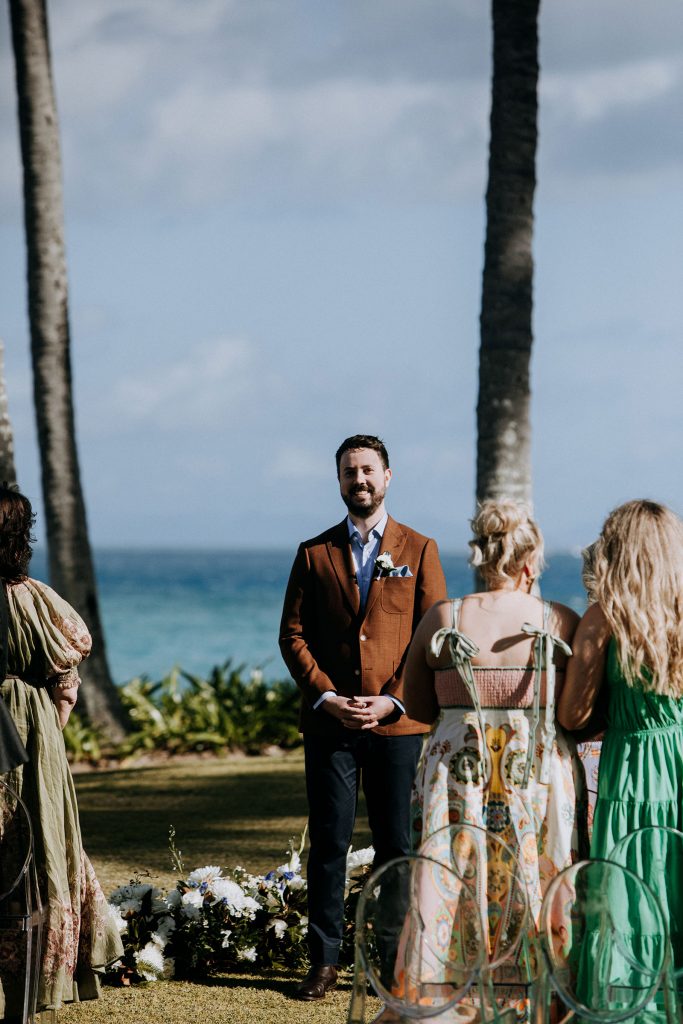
(237, 901)
(208, 874)
(149, 962)
(247, 954)
(359, 859)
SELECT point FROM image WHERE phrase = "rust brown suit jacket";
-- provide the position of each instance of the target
(328, 643)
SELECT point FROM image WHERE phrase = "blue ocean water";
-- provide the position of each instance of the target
(198, 608)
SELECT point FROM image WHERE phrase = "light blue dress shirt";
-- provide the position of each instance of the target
(364, 555)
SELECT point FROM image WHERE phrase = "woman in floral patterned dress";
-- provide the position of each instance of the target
(46, 643)
(483, 670)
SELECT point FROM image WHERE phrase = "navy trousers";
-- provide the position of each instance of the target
(335, 769)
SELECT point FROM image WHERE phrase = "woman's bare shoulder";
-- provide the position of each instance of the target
(563, 619)
(436, 617)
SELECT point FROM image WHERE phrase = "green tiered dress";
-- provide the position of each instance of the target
(640, 783)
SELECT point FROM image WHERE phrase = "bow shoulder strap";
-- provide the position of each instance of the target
(545, 643)
(462, 649)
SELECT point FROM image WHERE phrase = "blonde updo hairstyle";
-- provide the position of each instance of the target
(505, 539)
(638, 572)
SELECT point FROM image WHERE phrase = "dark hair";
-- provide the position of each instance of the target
(16, 521)
(358, 441)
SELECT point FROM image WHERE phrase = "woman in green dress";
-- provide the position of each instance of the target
(630, 641)
(47, 640)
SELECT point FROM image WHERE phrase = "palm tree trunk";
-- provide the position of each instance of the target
(8, 473)
(70, 557)
(503, 425)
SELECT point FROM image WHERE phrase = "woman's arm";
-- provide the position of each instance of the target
(419, 698)
(64, 694)
(585, 670)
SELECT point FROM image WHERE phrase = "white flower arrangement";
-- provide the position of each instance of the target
(213, 921)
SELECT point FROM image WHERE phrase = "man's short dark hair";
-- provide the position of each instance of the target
(357, 441)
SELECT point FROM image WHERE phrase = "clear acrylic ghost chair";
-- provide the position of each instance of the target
(655, 854)
(418, 942)
(491, 869)
(591, 918)
(21, 910)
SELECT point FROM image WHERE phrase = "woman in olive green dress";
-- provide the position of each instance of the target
(631, 642)
(47, 640)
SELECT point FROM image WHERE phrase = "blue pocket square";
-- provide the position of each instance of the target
(401, 570)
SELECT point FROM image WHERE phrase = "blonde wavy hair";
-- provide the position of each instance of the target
(505, 538)
(588, 572)
(638, 574)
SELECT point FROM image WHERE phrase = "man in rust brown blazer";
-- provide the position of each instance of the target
(355, 596)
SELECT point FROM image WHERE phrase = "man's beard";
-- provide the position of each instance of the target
(366, 509)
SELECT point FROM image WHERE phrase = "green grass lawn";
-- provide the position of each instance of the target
(226, 812)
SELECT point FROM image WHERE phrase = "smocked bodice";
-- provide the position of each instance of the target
(498, 687)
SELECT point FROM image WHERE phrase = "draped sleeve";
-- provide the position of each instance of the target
(47, 638)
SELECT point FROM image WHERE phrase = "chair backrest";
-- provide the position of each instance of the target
(493, 871)
(655, 854)
(419, 939)
(592, 916)
(16, 841)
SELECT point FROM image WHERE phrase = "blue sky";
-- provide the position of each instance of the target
(275, 225)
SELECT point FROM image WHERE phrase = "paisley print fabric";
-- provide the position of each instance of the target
(541, 823)
(472, 772)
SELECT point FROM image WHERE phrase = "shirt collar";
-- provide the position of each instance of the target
(378, 529)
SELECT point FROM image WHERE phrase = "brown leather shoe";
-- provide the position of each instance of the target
(318, 982)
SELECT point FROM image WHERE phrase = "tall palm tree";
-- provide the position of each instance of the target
(70, 557)
(8, 473)
(503, 425)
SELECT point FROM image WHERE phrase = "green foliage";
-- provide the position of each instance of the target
(185, 713)
(81, 739)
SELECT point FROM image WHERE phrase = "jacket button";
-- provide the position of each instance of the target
(356, 672)
(363, 636)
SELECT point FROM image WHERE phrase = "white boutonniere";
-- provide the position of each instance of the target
(384, 565)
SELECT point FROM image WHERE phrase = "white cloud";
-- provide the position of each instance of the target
(593, 95)
(325, 136)
(204, 388)
(170, 103)
(74, 24)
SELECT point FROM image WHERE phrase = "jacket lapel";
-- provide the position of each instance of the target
(339, 550)
(393, 542)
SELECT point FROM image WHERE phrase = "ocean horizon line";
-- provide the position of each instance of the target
(573, 551)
